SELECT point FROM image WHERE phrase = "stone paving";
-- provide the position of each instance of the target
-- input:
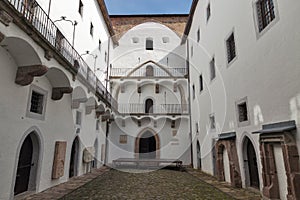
(107, 183)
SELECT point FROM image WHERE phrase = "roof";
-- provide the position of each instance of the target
(123, 23)
(106, 17)
(278, 127)
(227, 136)
(190, 21)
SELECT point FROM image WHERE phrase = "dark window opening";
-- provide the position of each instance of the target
(243, 112)
(149, 44)
(212, 69)
(37, 101)
(265, 13)
(208, 12)
(149, 106)
(230, 44)
(201, 82)
(149, 71)
(80, 10)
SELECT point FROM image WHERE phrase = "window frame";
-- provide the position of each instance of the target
(237, 104)
(33, 115)
(151, 48)
(260, 33)
(235, 47)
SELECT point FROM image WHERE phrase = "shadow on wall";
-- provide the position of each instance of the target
(295, 108)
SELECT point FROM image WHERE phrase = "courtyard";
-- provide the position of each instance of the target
(159, 184)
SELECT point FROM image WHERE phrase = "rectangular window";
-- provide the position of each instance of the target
(201, 83)
(231, 50)
(80, 9)
(192, 51)
(194, 92)
(123, 139)
(92, 29)
(197, 128)
(78, 118)
(198, 35)
(212, 122)
(97, 124)
(149, 44)
(99, 45)
(242, 112)
(208, 12)
(105, 56)
(37, 102)
(212, 69)
(265, 13)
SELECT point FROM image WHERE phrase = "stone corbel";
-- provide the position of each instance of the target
(26, 74)
(76, 102)
(99, 112)
(89, 108)
(58, 92)
(5, 18)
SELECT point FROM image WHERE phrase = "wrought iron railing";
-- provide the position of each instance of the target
(142, 72)
(135, 108)
(38, 19)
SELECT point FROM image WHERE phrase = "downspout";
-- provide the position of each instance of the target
(107, 123)
(190, 100)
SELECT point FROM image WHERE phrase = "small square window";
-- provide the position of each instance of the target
(166, 40)
(80, 9)
(149, 44)
(135, 40)
(123, 139)
(92, 29)
(208, 12)
(201, 82)
(78, 118)
(212, 69)
(212, 122)
(36, 106)
(231, 49)
(242, 112)
(265, 13)
(37, 101)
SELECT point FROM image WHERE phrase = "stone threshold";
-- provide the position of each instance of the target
(63, 189)
(236, 193)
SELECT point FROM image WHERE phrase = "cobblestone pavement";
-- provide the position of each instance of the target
(237, 193)
(160, 184)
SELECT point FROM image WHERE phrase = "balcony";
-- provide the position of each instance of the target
(37, 19)
(144, 72)
(161, 109)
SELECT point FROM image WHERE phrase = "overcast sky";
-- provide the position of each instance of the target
(148, 6)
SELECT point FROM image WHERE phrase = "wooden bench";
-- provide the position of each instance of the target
(147, 162)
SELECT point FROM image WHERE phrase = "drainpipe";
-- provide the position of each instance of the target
(190, 101)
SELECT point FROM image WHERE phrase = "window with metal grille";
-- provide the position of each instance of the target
(212, 69)
(149, 44)
(201, 82)
(92, 29)
(265, 13)
(80, 9)
(231, 50)
(78, 118)
(37, 101)
(242, 112)
(208, 12)
(212, 122)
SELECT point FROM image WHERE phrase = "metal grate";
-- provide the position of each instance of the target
(37, 101)
(265, 13)
(230, 43)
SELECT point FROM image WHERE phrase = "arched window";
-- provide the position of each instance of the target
(149, 71)
(149, 44)
(149, 106)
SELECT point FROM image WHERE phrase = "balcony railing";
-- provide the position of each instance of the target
(38, 19)
(157, 72)
(140, 109)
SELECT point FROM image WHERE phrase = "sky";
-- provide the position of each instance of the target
(127, 7)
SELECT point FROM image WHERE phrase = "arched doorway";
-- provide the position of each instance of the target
(199, 164)
(27, 165)
(74, 158)
(149, 106)
(147, 146)
(251, 168)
